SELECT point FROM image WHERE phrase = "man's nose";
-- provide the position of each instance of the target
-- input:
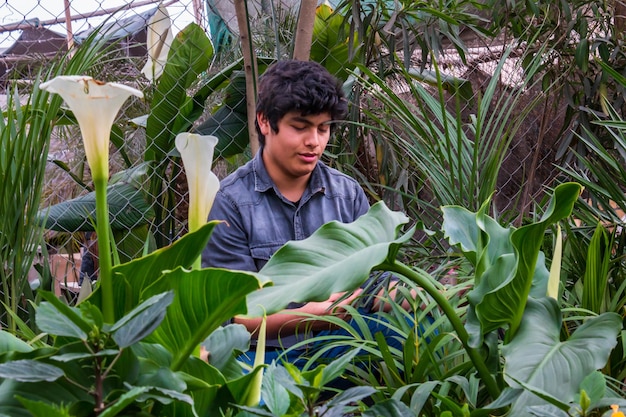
(312, 138)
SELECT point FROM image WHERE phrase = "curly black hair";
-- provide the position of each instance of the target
(302, 86)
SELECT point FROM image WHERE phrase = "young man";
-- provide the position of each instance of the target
(285, 192)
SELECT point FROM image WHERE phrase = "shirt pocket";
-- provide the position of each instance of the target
(262, 254)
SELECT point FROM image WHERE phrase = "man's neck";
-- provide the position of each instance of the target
(292, 188)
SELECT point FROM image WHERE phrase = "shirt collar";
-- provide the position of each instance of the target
(263, 182)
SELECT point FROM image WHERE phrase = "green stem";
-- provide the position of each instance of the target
(104, 249)
(424, 281)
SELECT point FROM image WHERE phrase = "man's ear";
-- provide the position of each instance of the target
(264, 124)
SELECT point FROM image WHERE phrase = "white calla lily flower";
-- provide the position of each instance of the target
(197, 154)
(159, 39)
(95, 105)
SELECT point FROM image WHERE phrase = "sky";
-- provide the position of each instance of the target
(14, 11)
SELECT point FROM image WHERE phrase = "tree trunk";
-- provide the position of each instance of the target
(620, 17)
(304, 30)
(250, 69)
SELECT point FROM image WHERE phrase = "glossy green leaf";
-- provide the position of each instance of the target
(508, 262)
(123, 401)
(229, 123)
(331, 46)
(594, 386)
(274, 394)
(389, 408)
(594, 282)
(142, 320)
(240, 388)
(56, 318)
(68, 357)
(190, 54)
(204, 300)
(351, 395)
(26, 370)
(337, 257)
(223, 341)
(128, 209)
(538, 358)
(132, 278)
(51, 393)
(8, 343)
(42, 409)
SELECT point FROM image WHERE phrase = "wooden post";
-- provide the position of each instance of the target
(304, 30)
(68, 25)
(250, 69)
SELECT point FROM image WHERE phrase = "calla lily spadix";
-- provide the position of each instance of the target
(95, 105)
(196, 152)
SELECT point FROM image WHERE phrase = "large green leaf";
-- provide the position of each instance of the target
(229, 122)
(127, 209)
(57, 318)
(223, 341)
(142, 320)
(11, 390)
(189, 55)
(10, 343)
(204, 300)
(538, 358)
(130, 279)
(337, 257)
(331, 46)
(26, 370)
(506, 262)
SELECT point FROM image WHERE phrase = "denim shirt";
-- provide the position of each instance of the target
(259, 219)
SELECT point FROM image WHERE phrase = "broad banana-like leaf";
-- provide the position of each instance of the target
(127, 206)
(127, 209)
(332, 47)
(189, 55)
(538, 358)
(229, 121)
(506, 262)
(337, 257)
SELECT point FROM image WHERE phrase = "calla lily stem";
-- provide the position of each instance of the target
(423, 280)
(104, 249)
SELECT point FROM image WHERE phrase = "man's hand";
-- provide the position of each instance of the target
(287, 322)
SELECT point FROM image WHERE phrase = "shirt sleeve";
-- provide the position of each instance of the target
(361, 204)
(228, 246)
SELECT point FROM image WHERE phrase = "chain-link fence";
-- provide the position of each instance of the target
(34, 32)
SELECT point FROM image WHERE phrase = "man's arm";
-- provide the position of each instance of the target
(290, 321)
(228, 246)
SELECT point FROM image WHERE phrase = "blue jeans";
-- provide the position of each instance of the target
(297, 355)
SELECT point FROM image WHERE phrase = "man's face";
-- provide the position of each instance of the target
(293, 151)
